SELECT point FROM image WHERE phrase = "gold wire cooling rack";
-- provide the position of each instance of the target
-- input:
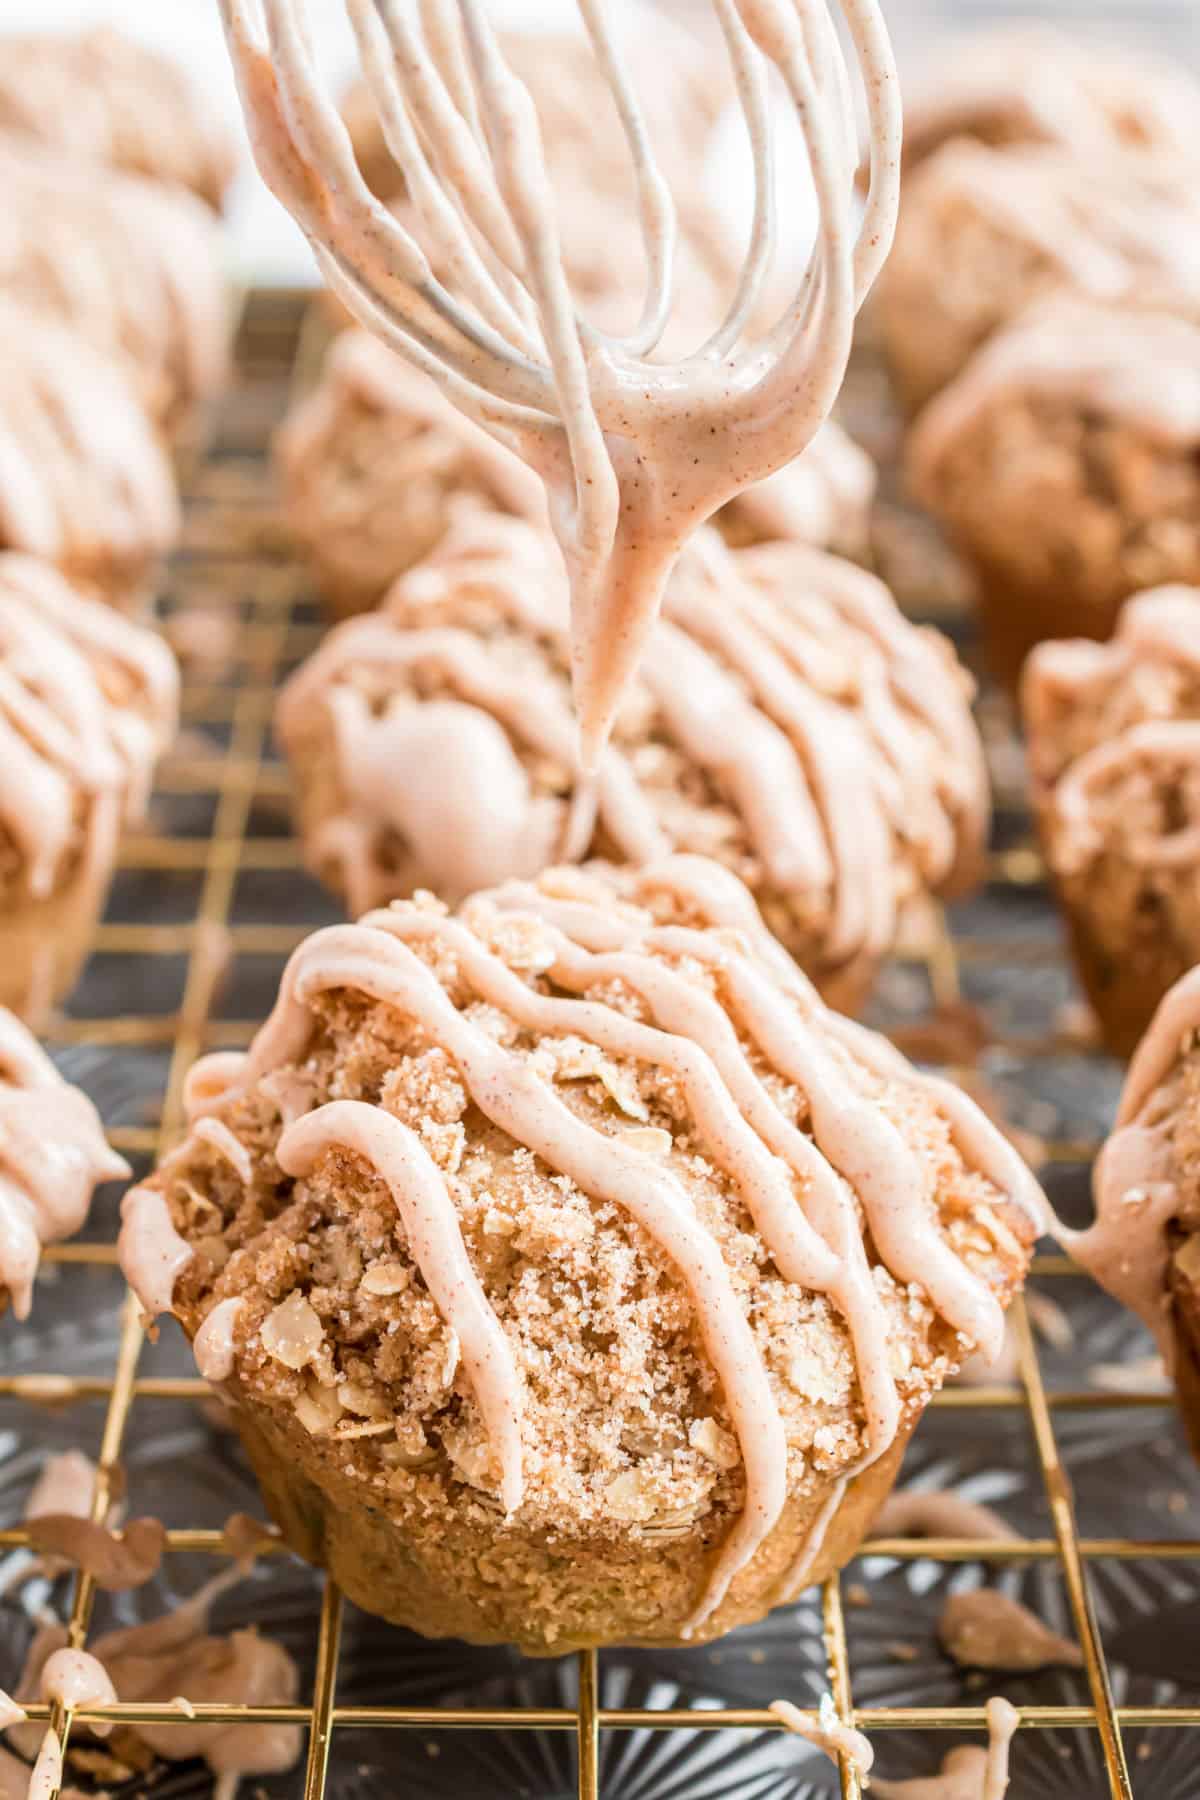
(233, 792)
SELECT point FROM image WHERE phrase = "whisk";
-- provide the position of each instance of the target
(635, 452)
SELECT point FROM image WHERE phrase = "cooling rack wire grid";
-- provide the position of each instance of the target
(231, 789)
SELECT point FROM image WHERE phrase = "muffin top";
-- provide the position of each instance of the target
(52, 1153)
(83, 479)
(131, 266)
(431, 448)
(1031, 83)
(1139, 368)
(787, 720)
(103, 97)
(87, 703)
(1110, 225)
(1114, 736)
(823, 498)
(580, 1206)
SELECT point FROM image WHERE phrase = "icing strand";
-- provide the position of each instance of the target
(53, 1155)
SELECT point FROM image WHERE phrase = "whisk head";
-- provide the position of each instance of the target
(472, 285)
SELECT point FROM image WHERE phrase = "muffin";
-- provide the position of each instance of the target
(823, 498)
(787, 721)
(1144, 1245)
(1063, 464)
(984, 234)
(89, 701)
(84, 482)
(492, 1242)
(375, 465)
(104, 98)
(1028, 83)
(132, 267)
(1114, 757)
(579, 124)
(54, 1158)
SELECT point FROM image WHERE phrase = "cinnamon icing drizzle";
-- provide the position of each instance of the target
(802, 1191)
(83, 479)
(1127, 1247)
(52, 1155)
(87, 702)
(827, 723)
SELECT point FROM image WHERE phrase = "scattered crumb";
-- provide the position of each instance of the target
(985, 1629)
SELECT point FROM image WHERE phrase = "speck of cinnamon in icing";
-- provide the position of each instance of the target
(53, 1154)
(718, 1017)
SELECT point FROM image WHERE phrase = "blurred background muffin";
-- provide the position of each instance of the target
(787, 722)
(1063, 464)
(1114, 760)
(89, 703)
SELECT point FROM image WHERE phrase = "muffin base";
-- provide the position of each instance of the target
(46, 943)
(1014, 619)
(381, 1570)
(1124, 989)
(1185, 1331)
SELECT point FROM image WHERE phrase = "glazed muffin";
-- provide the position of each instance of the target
(84, 481)
(1144, 1245)
(132, 267)
(1114, 758)
(1063, 464)
(493, 1241)
(986, 233)
(787, 721)
(375, 465)
(579, 124)
(89, 701)
(1028, 83)
(102, 97)
(54, 1158)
